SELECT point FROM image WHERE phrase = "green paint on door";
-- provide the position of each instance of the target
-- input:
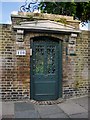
(45, 68)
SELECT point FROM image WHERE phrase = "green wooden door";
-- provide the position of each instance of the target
(45, 69)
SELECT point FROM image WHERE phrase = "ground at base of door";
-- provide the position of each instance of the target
(51, 102)
(71, 108)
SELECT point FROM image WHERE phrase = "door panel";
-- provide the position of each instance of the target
(45, 69)
(39, 59)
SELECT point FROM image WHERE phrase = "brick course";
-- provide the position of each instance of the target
(77, 83)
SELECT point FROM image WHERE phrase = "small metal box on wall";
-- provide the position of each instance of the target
(72, 44)
(19, 36)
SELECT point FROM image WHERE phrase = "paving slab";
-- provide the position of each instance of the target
(55, 115)
(27, 114)
(0, 117)
(58, 115)
(25, 110)
(8, 116)
(0, 109)
(45, 110)
(43, 116)
(22, 106)
(83, 101)
(80, 115)
(70, 107)
(7, 108)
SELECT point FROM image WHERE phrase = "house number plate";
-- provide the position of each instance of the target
(21, 52)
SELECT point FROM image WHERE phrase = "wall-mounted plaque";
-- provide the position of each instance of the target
(20, 52)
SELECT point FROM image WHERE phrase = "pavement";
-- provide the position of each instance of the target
(71, 108)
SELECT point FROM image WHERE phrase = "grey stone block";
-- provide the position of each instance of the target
(27, 114)
(70, 108)
(7, 108)
(0, 109)
(8, 116)
(47, 109)
(82, 102)
(22, 106)
(80, 115)
(58, 115)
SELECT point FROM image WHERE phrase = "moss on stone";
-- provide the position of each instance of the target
(30, 17)
(61, 20)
